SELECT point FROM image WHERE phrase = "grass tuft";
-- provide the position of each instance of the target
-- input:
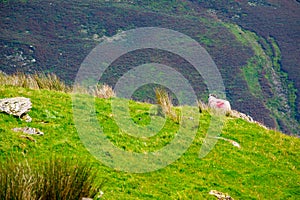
(34, 81)
(103, 91)
(202, 106)
(53, 179)
(49, 82)
(39, 81)
(163, 99)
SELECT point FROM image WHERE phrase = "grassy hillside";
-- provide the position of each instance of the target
(265, 167)
(55, 36)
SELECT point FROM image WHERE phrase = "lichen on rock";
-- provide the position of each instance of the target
(29, 130)
(17, 106)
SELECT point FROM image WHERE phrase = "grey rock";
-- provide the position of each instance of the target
(17, 106)
(237, 114)
(29, 130)
(26, 118)
(220, 195)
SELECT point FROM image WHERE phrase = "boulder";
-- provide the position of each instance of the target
(17, 106)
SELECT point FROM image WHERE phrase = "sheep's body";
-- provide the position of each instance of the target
(219, 104)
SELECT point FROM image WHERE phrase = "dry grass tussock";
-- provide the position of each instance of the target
(100, 91)
(103, 91)
(163, 99)
(202, 106)
(34, 81)
(50, 81)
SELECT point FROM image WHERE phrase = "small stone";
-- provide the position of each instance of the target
(29, 130)
(26, 118)
(234, 143)
(220, 195)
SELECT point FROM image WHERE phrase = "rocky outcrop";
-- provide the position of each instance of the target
(18, 106)
(237, 114)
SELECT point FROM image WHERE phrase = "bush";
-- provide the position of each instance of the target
(53, 179)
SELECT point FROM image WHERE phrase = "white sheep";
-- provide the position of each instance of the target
(219, 104)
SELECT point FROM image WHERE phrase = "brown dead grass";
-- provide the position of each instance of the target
(163, 99)
(50, 81)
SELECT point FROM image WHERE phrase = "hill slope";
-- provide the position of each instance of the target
(55, 36)
(265, 167)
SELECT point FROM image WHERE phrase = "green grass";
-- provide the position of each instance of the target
(257, 63)
(266, 167)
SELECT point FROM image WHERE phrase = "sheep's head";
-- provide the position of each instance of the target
(212, 95)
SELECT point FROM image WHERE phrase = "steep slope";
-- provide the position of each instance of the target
(265, 167)
(273, 18)
(55, 36)
(273, 21)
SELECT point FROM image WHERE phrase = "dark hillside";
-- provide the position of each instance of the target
(285, 28)
(279, 19)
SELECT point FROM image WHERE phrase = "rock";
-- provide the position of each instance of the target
(28, 130)
(17, 106)
(98, 197)
(220, 195)
(237, 114)
(26, 118)
(234, 143)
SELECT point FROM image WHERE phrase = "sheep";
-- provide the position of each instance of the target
(219, 104)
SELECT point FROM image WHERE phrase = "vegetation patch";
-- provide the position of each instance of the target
(267, 160)
(264, 70)
(48, 179)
